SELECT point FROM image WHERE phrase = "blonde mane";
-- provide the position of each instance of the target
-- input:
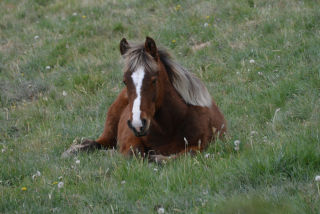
(191, 88)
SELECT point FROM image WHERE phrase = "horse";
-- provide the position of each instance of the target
(163, 110)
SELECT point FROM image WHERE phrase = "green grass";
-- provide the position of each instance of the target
(279, 156)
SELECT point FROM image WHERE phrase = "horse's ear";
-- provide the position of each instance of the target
(150, 47)
(124, 46)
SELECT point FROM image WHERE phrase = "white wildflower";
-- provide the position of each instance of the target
(60, 177)
(155, 169)
(38, 174)
(77, 161)
(55, 209)
(206, 24)
(238, 72)
(60, 185)
(260, 73)
(160, 210)
(236, 142)
(207, 155)
(317, 178)
(203, 202)
(3, 150)
(236, 145)
(123, 182)
(74, 14)
(251, 61)
(36, 37)
(48, 67)
(64, 93)
(253, 132)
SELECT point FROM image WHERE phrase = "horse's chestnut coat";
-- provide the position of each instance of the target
(163, 109)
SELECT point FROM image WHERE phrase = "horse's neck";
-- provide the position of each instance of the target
(172, 107)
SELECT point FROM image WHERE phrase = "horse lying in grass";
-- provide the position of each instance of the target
(163, 110)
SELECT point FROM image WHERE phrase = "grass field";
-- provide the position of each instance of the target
(60, 69)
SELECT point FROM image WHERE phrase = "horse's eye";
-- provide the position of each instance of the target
(154, 80)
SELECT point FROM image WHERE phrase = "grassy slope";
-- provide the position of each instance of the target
(272, 173)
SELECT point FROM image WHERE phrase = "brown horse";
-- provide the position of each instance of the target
(163, 110)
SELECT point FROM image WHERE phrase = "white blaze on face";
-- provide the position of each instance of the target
(137, 78)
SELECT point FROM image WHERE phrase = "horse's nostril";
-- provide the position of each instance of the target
(129, 124)
(144, 124)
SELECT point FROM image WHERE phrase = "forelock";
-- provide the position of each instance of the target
(137, 57)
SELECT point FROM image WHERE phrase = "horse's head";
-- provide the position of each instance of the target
(141, 76)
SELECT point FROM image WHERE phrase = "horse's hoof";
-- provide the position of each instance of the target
(161, 158)
(66, 154)
(75, 148)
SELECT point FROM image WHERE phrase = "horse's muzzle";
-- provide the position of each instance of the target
(143, 129)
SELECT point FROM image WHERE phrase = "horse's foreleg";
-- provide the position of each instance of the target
(163, 158)
(109, 134)
(84, 145)
(108, 137)
(131, 147)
